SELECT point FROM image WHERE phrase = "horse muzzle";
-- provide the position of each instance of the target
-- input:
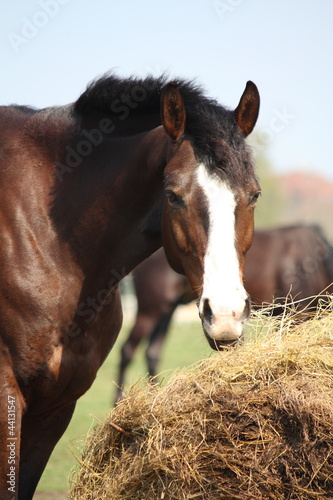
(223, 325)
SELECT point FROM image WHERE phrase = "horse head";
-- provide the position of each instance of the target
(210, 191)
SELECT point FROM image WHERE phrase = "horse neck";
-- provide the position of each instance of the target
(101, 207)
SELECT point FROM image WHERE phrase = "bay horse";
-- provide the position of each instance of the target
(88, 191)
(292, 262)
(289, 264)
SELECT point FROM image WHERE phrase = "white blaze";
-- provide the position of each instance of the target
(222, 286)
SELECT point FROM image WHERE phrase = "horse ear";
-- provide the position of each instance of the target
(247, 111)
(173, 112)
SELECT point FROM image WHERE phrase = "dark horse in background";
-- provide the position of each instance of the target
(287, 263)
(88, 191)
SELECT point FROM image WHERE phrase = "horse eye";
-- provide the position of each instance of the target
(254, 198)
(174, 198)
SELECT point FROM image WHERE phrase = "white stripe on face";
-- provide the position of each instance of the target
(222, 287)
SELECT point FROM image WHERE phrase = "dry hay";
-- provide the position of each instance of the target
(253, 422)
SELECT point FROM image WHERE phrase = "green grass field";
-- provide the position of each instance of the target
(185, 345)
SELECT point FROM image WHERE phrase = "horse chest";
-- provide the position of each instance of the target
(75, 361)
(71, 362)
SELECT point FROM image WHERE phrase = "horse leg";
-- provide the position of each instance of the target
(156, 341)
(10, 424)
(142, 328)
(11, 410)
(39, 437)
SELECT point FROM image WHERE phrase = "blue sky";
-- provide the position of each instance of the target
(50, 50)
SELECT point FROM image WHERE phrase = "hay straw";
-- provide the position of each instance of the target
(252, 422)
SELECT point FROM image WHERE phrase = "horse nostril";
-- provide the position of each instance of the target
(207, 312)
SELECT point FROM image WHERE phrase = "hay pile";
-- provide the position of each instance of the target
(253, 422)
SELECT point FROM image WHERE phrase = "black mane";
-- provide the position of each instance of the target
(217, 140)
(108, 91)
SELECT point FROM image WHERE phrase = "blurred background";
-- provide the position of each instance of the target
(51, 49)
